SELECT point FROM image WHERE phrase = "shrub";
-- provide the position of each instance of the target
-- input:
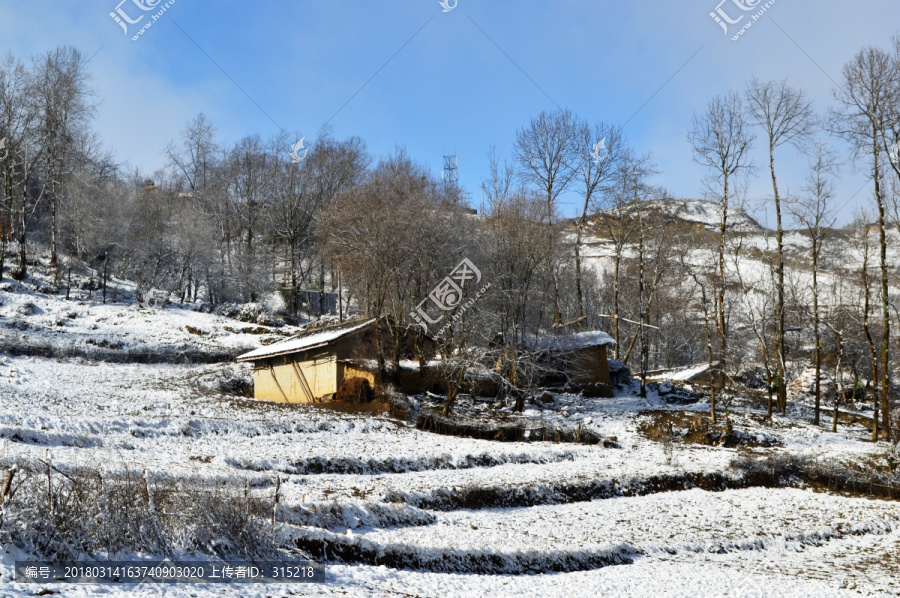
(780, 470)
(79, 513)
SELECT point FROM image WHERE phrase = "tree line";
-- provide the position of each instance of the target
(238, 221)
(865, 115)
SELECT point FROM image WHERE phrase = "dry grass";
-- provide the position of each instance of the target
(780, 470)
(670, 427)
(76, 513)
(507, 428)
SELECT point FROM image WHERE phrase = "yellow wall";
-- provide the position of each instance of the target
(319, 371)
(346, 370)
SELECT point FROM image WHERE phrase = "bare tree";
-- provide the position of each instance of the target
(104, 209)
(245, 178)
(786, 118)
(634, 174)
(598, 150)
(814, 211)
(619, 224)
(891, 137)
(301, 191)
(861, 238)
(20, 156)
(195, 156)
(66, 104)
(861, 118)
(755, 291)
(838, 373)
(519, 249)
(376, 231)
(198, 173)
(705, 283)
(544, 150)
(892, 141)
(721, 140)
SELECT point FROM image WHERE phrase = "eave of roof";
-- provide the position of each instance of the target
(571, 342)
(303, 342)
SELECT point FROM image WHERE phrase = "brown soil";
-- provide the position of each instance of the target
(375, 407)
(690, 428)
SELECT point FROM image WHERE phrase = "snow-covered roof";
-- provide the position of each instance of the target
(308, 339)
(571, 342)
(686, 374)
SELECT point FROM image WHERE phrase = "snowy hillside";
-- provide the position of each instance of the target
(699, 211)
(43, 323)
(676, 248)
(395, 511)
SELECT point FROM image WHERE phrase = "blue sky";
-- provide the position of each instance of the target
(458, 81)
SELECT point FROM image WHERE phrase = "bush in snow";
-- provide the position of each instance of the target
(252, 313)
(335, 515)
(236, 311)
(249, 312)
(12, 287)
(27, 308)
(233, 380)
(892, 456)
(754, 377)
(783, 470)
(265, 319)
(79, 513)
(273, 303)
(17, 323)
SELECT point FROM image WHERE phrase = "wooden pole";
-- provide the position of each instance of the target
(275, 378)
(275, 500)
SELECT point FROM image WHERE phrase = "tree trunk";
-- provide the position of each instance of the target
(105, 272)
(550, 257)
(453, 391)
(643, 331)
(720, 291)
(871, 342)
(52, 170)
(52, 199)
(578, 291)
(781, 369)
(618, 261)
(838, 382)
(22, 267)
(818, 350)
(885, 299)
(709, 349)
(5, 231)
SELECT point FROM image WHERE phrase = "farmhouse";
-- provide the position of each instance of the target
(311, 366)
(581, 357)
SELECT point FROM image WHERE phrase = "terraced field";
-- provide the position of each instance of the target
(396, 511)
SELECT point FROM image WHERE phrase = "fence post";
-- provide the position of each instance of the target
(275, 501)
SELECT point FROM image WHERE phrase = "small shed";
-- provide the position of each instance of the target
(311, 366)
(581, 356)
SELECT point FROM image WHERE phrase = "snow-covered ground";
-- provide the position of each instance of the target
(33, 323)
(468, 517)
